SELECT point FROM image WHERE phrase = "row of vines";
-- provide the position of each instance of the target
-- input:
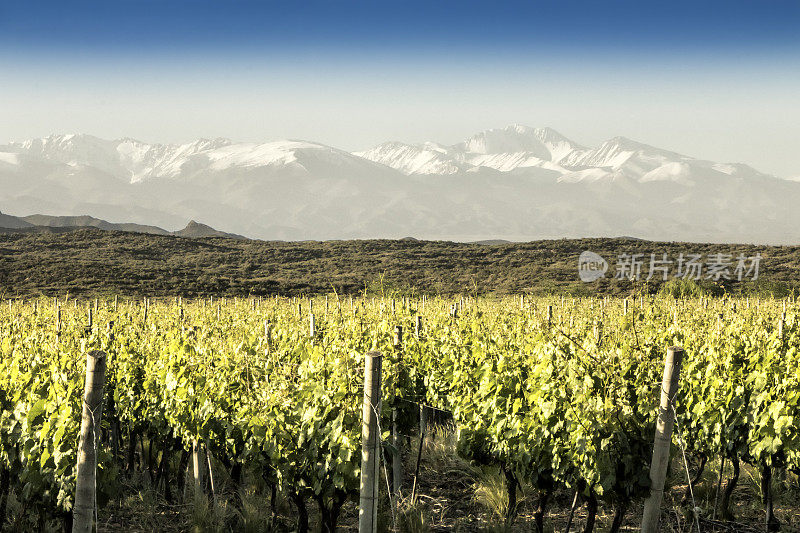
(559, 393)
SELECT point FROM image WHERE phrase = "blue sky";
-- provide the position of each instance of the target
(712, 79)
(147, 26)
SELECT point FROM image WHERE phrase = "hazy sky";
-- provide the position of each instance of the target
(717, 80)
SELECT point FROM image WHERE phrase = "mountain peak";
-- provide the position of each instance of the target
(548, 134)
(511, 139)
(196, 229)
(543, 133)
(626, 143)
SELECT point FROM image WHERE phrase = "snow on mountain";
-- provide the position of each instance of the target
(513, 183)
(543, 152)
(428, 158)
(521, 147)
(501, 149)
(617, 152)
(137, 161)
(543, 143)
(145, 161)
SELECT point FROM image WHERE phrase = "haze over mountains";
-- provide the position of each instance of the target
(515, 183)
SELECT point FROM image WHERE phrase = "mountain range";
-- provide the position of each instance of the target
(59, 224)
(514, 183)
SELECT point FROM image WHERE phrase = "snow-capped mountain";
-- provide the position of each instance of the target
(501, 149)
(514, 183)
(518, 147)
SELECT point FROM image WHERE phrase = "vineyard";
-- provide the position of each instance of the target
(257, 403)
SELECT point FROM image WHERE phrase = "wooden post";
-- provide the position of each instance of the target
(83, 512)
(266, 335)
(418, 327)
(549, 315)
(198, 468)
(116, 301)
(370, 445)
(311, 326)
(663, 439)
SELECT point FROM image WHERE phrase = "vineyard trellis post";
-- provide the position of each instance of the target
(663, 439)
(198, 468)
(370, 445)
(83, 513)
